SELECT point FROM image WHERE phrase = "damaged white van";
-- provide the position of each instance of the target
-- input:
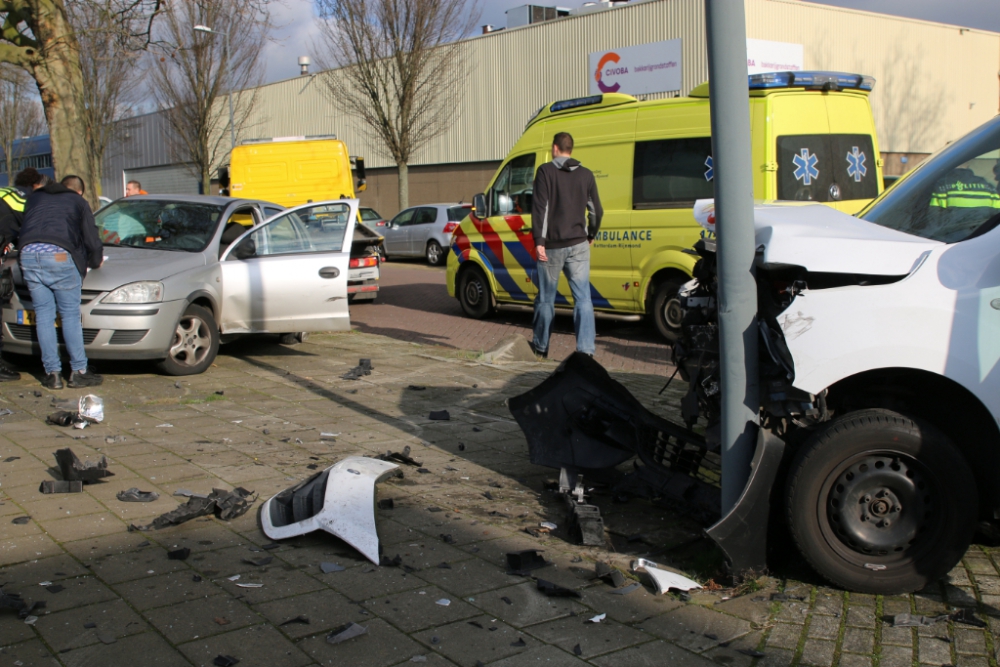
(880, 343)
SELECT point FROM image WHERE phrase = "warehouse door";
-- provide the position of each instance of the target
(171, 179)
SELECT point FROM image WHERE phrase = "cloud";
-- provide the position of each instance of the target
(981, 14)
(293, 36)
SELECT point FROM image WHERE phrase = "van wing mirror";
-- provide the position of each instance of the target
(479, 206)
(223, 177)
(359, 171)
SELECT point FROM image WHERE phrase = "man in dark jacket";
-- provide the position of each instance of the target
(565, 216)
(59, 242)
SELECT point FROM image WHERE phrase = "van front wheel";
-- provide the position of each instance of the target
(474, 293)
(666, 308)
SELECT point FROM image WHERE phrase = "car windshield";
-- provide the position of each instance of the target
(951, 197)
(458, 213)
(164, 225)
(370, 214)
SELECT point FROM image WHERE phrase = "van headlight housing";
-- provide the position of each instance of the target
(146, 291)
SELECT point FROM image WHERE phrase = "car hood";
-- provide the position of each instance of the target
(824, 240)
(128, 265)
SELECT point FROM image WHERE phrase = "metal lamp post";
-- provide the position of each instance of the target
(225, 58)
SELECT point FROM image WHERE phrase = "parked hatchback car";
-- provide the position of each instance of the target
(370, 217)
(424, 231)
(180, 272)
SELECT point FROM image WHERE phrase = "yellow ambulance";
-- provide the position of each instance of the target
(813, 139)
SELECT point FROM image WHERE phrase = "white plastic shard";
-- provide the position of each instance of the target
(339, 500)
(664, 579)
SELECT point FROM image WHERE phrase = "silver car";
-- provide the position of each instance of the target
(180, 272)
(424, 231)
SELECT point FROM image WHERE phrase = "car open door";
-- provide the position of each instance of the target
(284, 276)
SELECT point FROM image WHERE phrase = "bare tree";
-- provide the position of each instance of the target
(191, 80)
(401, 75)
(20, 114)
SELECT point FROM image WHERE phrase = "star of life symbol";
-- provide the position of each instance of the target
(856, 168)
(710, 172)
(805, 167)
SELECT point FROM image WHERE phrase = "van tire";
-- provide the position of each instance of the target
(666, 308)
(434, 253)
(474, 294)
(879, 503)
(194, 345)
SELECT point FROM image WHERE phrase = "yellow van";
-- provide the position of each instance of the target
(293, 170)
(813, 139)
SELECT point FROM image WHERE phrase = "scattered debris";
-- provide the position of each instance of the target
(416, 387)
(78, 412)
(488, 496)
(112, 439)
(363, 368)
(60, 486)
(664, 579)
(577, 650)
(461, 446)
(609, 575)
(386, 504)
(21, 520)
(419, 658)
(596, 619)
(447, 539)
(522, 562)
(519, 643)
(164, 426)
(444, 602)
(220, 620)
(443, 566)
(5, 412)
(226, 505)
(259, 562)
(404, 458)
(225, 661)
(555, 590)
(423, 470)
(75, 470)
(179, 554)
(329, 435)
(55, 588)
(89, 626)
(439, 416)
(781, 597)
(628, 589)
(385, 561)
(250, 585)
(327, 568)
(221, 392)
(507, 600)
(343, 633)
(189, 494)
(134, 495)
(11, 458)
(30, 620)
(301, 619)
(548, 525)
(966, 616)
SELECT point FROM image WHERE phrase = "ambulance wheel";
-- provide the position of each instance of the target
(474, 293)
(666, 308)
(878, 503)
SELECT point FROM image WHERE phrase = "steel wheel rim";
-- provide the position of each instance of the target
(192, 341)
(673, 313)
(880, 507)
(433, 253)
(473, 292)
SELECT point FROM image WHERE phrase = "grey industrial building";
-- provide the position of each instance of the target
(934, 82)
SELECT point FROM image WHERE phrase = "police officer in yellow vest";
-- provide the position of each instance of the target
(12, 201)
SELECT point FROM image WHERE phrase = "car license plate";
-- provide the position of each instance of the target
(28, 317)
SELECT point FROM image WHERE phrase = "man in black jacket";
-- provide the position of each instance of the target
(59, 242)
(565, 216)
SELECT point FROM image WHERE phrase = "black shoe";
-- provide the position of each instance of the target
(87, 378)
(543, 355)
(52, 381)
(8, 375)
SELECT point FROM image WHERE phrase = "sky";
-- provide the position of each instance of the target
(295, 33)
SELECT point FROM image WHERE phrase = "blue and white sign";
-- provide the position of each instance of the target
(856, 168)
(805, 167)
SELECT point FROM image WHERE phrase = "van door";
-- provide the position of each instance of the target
(505, 237)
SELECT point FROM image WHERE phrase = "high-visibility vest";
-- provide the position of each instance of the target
(13, 198)
(972, 193)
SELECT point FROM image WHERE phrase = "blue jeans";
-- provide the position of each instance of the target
(55, 283)
(575, 263)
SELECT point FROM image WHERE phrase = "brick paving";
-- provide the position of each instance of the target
(413, 305)
(256, 418)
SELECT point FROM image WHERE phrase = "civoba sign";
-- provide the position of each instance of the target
(637, 70)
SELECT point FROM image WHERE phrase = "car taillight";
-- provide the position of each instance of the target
(362, 262)
(450, 227)
(380, 223)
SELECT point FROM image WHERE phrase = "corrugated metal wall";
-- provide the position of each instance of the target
(140, 143)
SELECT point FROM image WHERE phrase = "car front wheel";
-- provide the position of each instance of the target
(878, 503)
(194, 345)
(435, 253)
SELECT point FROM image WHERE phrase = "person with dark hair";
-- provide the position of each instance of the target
(12, 202)
(565, 216)
(59, 242)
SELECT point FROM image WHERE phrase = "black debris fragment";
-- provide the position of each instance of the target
(488, 496)
(447, 539)
(259, 562)
(916, 621)
(416, 387)
(631, 588)
(577, 650)
(221, 392)
(37, 393)
(968, 617)
(443, 566)
(386, 504)
(507, 600)
(196, 579)
(134, 495)
(312, 466)
(272, 545)
(609, 575)
(89, 626)
(343, 633)
(477, 624)
(11, 458)
(461, 446)
(226, 505)
(439, 416)
(225, 661)
(55, 588)
(555, 590)
(64, 418)
(401, 457)
(75, 470)
(476, 429)
(60, 486)
(519, 643)
(521, 562)
(385, 561)
(434, 509)
(750, 652)
(781, 597)
(301, 619)
(423, 470)
(363, 368)
(179, 554)
(21, 520)
(327, 568)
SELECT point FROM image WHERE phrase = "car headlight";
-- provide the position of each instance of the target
(147, 291)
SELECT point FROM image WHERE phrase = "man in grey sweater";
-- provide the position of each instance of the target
(565, 216)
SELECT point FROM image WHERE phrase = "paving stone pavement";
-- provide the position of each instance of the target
(256, 419)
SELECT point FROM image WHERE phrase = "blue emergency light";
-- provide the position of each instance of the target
(574, 103)
(822, 80)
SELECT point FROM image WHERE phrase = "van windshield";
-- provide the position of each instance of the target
(160, 224)
(951, 197)
(826, 167)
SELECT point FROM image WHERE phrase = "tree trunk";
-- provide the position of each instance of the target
(60, 83)
(206, 180)
(404, 185)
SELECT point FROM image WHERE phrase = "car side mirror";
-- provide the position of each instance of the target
(246, 249)
(479, 205)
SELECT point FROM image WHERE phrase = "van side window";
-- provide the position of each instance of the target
(672, 173)
(511, 193)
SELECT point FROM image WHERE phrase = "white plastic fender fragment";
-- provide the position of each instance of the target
(339, 500)
(664, 579)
